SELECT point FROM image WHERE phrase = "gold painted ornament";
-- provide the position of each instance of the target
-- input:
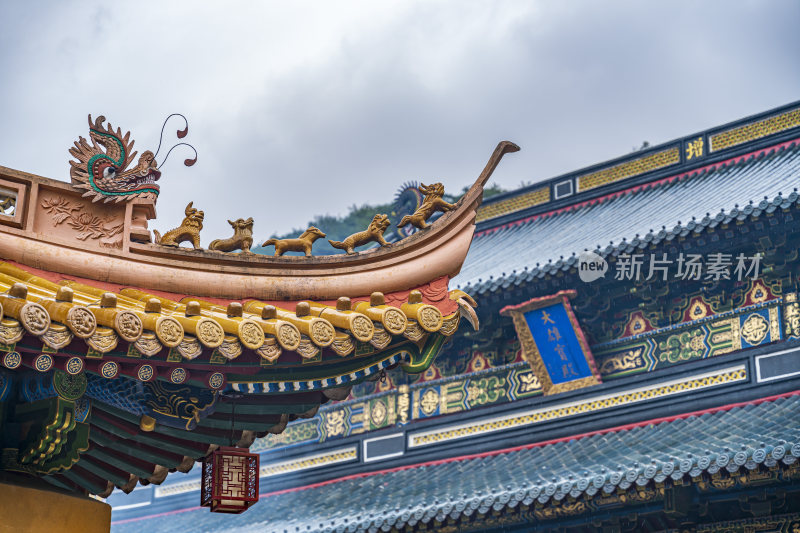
(188, 231)
(433, 202)
(242, 237)
(374, 233)
(301, 244)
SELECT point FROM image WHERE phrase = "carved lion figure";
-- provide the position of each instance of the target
(373, 233)
(189, 230)
(301, 244)
(433, 202)
(242, 237)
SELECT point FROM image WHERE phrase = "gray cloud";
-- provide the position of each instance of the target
(305, 108)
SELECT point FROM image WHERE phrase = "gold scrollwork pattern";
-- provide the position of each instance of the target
(334, 423)
(322, 332)
(620, 362)
(378, 413)
(81, 321)
(189, 347)
(429, 401)
(128, 325)
(57, 336)
(792, 315)
(270, 350)
(34, 318)
(381, 338)
(362, 328)
(148, 344)
(403, 403)
(413, 331)
(210, 333)
(104, 340)
(169, 331)
(754, 329)
(251, 334)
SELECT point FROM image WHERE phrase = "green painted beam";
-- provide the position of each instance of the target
(147, 438)
(121, 461)
(99, 468)
(154, 455)
(86, 479)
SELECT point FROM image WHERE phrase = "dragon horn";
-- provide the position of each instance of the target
(188, 208)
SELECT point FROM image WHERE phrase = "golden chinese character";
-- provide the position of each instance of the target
(694, 148)
(546, 318)
(568, 370)
(553, 334)
(560, 351)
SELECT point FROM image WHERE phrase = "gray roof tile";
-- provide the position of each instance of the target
(741, 437)
(632, 219)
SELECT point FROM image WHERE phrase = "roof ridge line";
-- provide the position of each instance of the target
(734, 160)
(706, 136)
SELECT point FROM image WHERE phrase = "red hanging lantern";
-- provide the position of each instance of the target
(230, 480)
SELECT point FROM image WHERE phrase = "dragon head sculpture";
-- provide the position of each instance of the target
(102, 166)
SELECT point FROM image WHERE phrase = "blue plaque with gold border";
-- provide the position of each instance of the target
(553, 343)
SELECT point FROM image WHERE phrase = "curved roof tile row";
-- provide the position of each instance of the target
(740, 437)
(57, 313)
(544, 244)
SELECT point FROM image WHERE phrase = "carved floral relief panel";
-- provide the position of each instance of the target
(74, 218)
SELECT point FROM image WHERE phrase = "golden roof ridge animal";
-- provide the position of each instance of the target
(242, 237)
(373, 233)
(433, 202)
(189, 230)
(300, 244)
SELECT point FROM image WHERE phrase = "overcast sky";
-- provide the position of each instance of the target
(303, 108)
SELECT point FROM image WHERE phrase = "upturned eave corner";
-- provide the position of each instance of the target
(474, 195)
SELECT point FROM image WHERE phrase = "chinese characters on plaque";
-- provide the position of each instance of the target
(553, 343)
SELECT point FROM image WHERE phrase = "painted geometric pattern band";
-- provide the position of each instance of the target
(628, 169)
(720, 377)
(304, 463)
(755, 130)
(317, 384)
(517, 203)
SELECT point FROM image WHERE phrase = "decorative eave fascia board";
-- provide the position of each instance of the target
(718, 144)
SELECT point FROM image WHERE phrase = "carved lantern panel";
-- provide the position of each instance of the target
(230, 480)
